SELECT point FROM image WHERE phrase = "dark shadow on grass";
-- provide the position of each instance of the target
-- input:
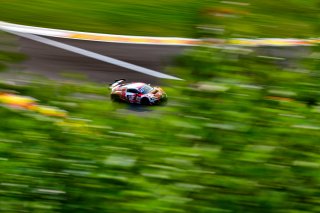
(139, 108)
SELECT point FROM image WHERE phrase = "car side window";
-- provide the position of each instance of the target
(132, 90)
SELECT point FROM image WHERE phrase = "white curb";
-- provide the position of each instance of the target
(174, 41)
(99, 36)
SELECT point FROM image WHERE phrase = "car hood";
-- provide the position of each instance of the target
(157, 92)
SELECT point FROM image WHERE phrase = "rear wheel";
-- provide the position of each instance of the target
(114, 98)
(145, 101)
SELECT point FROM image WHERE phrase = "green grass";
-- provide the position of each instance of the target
(181, 18)
(157, 18)
(7, 58)
(209, 150)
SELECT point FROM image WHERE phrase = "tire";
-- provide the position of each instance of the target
(145, 102)
(114, 98)
(164, 101)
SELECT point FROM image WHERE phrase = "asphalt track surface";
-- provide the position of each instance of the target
(54, 62)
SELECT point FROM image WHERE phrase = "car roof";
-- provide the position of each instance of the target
(135, 85)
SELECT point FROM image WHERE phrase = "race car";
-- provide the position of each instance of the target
(136, 93)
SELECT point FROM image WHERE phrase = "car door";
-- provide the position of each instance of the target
(132, 95)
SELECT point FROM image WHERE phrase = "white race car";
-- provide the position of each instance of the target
(136, 93)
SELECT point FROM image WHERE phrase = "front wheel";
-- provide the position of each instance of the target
(164, 101)
(145, 101)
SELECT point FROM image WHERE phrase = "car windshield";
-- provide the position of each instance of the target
(146, 89)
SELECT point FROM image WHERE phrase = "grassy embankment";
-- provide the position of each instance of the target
(157, 18)
(252, 18)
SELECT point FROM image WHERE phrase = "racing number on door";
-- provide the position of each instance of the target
(131, 98)
(132, 95)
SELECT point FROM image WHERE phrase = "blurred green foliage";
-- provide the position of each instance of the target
(240, 134)
(236, 136)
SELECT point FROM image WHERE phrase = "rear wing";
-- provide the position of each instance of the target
(116, 83)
